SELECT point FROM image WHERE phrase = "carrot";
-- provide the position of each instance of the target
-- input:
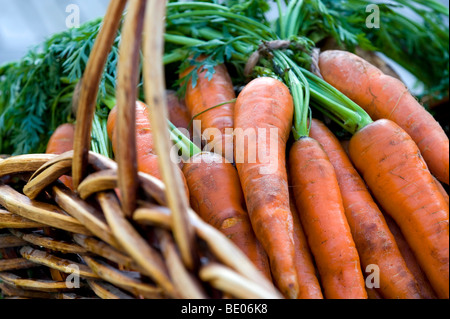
(442, 190)
(306, 271)
(60, 142)
(424, 285)
(321, 211)
(263, 104)
(372, 293)
(385, 97)
(147, 160)
(179, 115)
(318, 199)
(393, 168)
(344, 144)
(205, 95)
(216, 195)
(374, 241)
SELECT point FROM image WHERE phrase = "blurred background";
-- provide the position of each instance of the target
(26, 23)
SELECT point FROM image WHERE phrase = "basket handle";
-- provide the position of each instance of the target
(155, 94)
(90, 86)
(153, 25)
(128, 70)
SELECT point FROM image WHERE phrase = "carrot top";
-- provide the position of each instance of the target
(334, 104)
(280, 53)
(308, 89)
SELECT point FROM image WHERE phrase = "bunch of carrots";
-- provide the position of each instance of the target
(358, 219)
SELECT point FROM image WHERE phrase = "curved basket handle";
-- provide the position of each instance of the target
(126, 98)
(90, 86)
(128, 70)
(155, 93)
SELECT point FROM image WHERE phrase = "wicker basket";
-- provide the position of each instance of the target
(88, 243)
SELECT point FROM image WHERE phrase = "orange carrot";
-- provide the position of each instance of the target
(424, 285)
(385, 97)
(216, 195)
(344, 144)
(372, 293)
(442, 190)
(61, 142)
(147, 160)
(393, 168)
(179, 115)
(207, 94)
(306, 271)
(263, 104)
(321, 211)
(375, 243)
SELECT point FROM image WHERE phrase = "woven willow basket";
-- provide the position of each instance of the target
(91, 243)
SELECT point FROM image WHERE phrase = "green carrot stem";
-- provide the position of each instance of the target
(197, 5)
(183, 142)
(110, 102)
(265, 31)
(179, 55)
(337, 103)
(292, 22)
(300, 93)
(181, 146)
(240, 46)
(281, 24)
(94, 145)
(104, 125)
(182, 40)
(174, 56)
(100, 137)
(209, 109)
